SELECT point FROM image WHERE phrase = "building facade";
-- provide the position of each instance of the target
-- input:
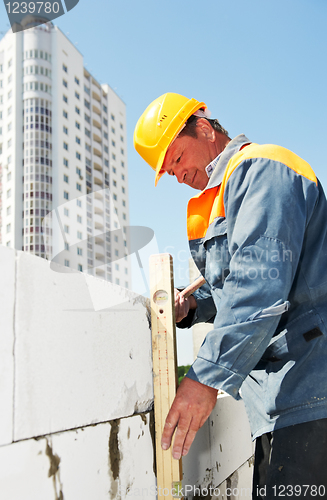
(63, 157)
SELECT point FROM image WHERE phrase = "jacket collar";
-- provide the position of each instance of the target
(232, 148)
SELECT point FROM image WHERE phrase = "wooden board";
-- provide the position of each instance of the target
(169, 470)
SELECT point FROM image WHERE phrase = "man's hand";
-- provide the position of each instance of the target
(191, 408)
(183, 305)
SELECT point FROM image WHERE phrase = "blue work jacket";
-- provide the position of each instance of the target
(258, 234)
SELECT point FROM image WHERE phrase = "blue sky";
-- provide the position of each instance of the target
(260, 66)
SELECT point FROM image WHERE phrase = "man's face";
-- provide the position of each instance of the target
(187, 159)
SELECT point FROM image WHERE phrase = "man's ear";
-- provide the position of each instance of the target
(205, 129)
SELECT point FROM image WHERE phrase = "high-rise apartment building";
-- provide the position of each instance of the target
(63, 157)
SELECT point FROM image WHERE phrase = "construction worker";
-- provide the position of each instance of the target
(258, 233)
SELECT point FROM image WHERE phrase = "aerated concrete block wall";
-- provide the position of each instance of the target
(76, 394)
(75, 385)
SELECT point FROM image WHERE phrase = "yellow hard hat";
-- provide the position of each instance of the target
(159, 125)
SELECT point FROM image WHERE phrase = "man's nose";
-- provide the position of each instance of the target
(180, 174)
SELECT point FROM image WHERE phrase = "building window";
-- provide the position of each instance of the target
(66, 212)
(77, 95)
(76, 80)
(65, 98)
(65, 114)
(65, 162)
(87, 132)
(65, 129)
(78, 140)
(78, 186)
(66, 178)
(79, 219)
(80, 267)
(112, 117)
(79, 251)
(66, 229)
(105, 121)
(8, 228)
(9, 193)
(78, 156)
(79, 235)
(77, 125)
(87, 118)
(65, 83)
(66, 146)
(66, 195)
(64, 67)
(79, 203)
(87, 104)
(66, 263)
(66, 245)
(78, 111)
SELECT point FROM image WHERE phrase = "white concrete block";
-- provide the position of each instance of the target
(7, 308)
(108, 461)
(238, 486)
(24, 471)
(220, 447)
(111, 461)
(76, 366)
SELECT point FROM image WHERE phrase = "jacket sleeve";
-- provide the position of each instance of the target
(266, 212)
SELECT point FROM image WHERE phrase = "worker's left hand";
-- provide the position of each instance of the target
(182, 305)
(190, 409)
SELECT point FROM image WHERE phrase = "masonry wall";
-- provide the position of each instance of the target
(75, 385)
(76, 419)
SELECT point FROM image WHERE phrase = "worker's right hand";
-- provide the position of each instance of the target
(182, 305)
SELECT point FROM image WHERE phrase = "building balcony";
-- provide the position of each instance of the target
(99, 240)
(97, 138)
(97, 178)
(96, 123)
(98, 206)
(99, 272)
(96, 96)
(98, 196)
(96, 152)
(97, 166)
(99, 252)
(98, 221)
(96, 110)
